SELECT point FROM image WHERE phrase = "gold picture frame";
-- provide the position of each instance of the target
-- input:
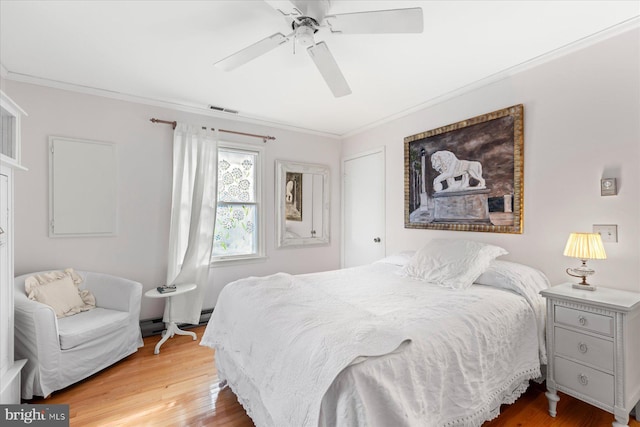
(467, 176)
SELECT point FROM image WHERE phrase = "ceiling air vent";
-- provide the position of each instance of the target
(224, 110)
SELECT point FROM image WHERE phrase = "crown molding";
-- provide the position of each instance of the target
(195, 109)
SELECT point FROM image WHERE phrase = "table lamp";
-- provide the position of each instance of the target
(584, 246)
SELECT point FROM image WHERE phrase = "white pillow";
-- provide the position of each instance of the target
(400, 259)
(519, 278)
(60, 290)
(452, 263)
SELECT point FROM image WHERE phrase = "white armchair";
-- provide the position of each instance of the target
(63, 351)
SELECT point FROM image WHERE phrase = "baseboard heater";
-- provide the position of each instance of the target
(156, 326)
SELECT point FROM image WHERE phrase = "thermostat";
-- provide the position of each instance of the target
(608, 187)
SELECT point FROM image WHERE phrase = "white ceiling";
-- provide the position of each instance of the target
(165, 51)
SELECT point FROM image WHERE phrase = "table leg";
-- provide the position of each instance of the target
(553, 398)
(621, 421)
(172, 329)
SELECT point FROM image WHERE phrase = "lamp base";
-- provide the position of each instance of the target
(585, 287)
(583, 272)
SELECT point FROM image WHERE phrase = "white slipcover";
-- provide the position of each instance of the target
(63, 351)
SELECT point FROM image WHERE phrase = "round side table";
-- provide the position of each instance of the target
(172, 328)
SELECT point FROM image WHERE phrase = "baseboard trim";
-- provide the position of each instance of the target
(156, 326)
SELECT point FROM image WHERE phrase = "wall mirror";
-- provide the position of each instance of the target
(302, 204)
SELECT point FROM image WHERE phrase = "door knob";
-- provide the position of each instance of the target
(377, 240)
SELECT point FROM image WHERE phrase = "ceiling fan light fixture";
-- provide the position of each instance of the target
(304, 36)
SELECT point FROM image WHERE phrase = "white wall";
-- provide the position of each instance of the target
(582, 123)
(139, 251)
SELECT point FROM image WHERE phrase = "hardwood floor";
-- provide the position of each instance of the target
(179, 387)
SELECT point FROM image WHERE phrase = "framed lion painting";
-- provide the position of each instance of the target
(467, 176)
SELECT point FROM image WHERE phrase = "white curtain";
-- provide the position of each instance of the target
(193, 214)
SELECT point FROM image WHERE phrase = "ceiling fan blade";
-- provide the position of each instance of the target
(285, 7)
(245, 55)
(329, 69)
(377, 22)
(315, 9)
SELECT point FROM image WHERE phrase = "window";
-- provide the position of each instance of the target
(239, 217)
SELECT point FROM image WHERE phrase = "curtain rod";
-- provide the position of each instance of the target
(174, 124)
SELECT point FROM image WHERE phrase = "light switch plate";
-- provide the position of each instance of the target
(608, 232)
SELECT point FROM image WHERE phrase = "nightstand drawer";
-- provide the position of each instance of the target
(598, 323)
(585, 348)
(586, 381)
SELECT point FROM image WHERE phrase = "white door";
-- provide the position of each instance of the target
(363, 208)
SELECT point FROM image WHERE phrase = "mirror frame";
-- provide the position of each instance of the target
(282, 167)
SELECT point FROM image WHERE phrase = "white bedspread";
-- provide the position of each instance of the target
(283, 344)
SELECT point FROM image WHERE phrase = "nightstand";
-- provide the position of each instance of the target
(172, 327)
(593, 348)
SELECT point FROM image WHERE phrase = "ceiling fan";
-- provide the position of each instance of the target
(308, 17)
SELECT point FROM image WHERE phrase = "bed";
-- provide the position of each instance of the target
(440, 337)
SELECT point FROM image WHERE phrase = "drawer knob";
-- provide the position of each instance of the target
(582, 320)
(582, 378)
(582, 347)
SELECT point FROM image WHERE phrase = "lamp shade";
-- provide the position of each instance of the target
(585, 246)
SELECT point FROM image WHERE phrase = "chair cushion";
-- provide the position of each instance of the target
(89, 325)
